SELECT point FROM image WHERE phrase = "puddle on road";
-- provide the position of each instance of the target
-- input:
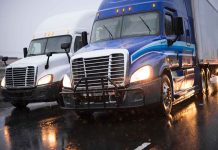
(50, 127)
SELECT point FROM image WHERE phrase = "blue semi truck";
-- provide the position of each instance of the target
(144, 52)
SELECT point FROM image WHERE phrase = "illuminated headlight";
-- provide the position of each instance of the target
(67, 82)
(143, 73)
(45, 80)
(3, 82)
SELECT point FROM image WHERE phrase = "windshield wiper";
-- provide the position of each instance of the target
(111, 35)
(145, 24)
(33, 54)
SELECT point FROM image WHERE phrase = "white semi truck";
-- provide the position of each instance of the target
(38, 76)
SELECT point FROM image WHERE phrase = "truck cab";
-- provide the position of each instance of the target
(141, 52)
(38, 76)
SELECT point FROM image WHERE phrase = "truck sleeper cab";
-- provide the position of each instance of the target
(38, 77)
(141, 53)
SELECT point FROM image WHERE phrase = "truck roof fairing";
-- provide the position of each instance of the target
(67, 23)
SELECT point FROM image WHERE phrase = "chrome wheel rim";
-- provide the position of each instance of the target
(167, 96)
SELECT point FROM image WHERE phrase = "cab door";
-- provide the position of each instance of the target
(174, 53)
(188, 57)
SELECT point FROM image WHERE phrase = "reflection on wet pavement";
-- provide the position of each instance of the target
(193, 125)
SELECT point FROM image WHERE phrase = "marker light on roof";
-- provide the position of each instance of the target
(123, 9)
(117, 10)
(130, 8)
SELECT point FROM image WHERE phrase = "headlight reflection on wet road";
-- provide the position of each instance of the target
(193, 126)
(49, 137)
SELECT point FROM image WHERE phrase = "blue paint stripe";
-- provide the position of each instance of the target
(159, 48)
(143, 51)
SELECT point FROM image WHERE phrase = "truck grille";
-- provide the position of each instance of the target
(111, 66)
(20, 77)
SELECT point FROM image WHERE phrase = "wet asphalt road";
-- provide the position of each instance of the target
(194, 125)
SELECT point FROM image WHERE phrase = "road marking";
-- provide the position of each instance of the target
(143, 146)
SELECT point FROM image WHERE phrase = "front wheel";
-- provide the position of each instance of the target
(166, 95)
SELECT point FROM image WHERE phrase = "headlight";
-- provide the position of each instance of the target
(3, 82)
(45, 80)
(143, 73)
(67, 82)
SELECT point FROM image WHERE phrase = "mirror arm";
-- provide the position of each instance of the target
(5, 63)
(171, 42)
(68, 56)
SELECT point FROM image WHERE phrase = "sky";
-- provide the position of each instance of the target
(20, 18)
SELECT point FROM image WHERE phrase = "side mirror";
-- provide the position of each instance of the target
(178, 26)
(84, 38)
(5, 59)
(65, 46)
(25, 52)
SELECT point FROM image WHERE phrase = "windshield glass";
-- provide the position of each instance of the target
(141, 24)
(106, 29)
(130, 25)
(46, 45)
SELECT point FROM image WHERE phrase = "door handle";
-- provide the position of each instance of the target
(188, 44)
(177, 55)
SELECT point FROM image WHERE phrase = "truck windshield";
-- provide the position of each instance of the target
(142, 24)
(46, 45)
(106, 29)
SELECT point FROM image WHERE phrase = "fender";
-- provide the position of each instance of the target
(157, 60)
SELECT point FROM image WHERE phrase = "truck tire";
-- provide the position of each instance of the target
(203, 83)
(208, 76)
(166, 96)
(19, 105)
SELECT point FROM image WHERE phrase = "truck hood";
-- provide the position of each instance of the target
(58, 65)
(131, 44)
(39, 60)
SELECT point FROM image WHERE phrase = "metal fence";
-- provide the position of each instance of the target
(2, 70)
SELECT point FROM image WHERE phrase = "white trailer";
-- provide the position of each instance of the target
(38, 77)
(205, 14)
